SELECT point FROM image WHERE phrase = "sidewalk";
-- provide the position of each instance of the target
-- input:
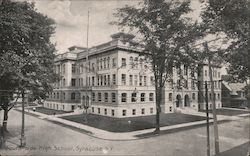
(106, 135)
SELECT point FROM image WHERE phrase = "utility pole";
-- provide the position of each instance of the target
(86, 102)
(207, 115)
(23, 139)
(216, 135)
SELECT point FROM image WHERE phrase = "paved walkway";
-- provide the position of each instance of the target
(102, 134)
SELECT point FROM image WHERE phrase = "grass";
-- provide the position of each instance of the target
(132, 123)
(48, 111)
(228, 112)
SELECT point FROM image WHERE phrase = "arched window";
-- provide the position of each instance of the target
(124, 97)
(73, 96)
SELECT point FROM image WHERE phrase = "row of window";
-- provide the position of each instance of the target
(105, 80)
(215, 73)
(124, 111)
(134, 97)
(56, 95)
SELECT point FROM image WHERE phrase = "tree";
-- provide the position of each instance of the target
(26, 53)
(166, 33)
(232, 18)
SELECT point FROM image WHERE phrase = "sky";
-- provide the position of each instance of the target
(71, 20)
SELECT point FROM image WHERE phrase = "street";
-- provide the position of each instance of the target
(46, 138)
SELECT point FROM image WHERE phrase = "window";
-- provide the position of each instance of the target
(113, 62)
(145, 80)
(123, 79)
(205, 72)
(64, 83)
(105, 111)
(73, 68)
(114, 79)
(97, 64)
(131, 62)
(185, 70)
(101, 64)
(170, 109)
(141, 63)
(142, 97)
(93, 109)
(93, 66)
(152, 80)
(93, 81)
(218, 74)
(170, 97)
(151, 110)
(134, 112)
(113, 97)
(133, 97)
(99, 96)
(131, 80)
(99, 110)
(193, 84)
(143, 111)
(218, 95)
(113, 112)
(178, 69)
(63, 68)
(185, 84)
(136, 80)
(73, 82)
(98, 80)
(193, 96)
(105, 80)
(123, 62)
(151, 96)
(73, 96)
(124, 112)
(106, 95)
(108, 62)
(63, 95)
(93, 96)
(136, 62)
(140, 81)
(124, 97)
(108, 79)
(104, 62)
(101, 80)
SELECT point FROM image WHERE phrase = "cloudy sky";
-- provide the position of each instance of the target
(71, 19)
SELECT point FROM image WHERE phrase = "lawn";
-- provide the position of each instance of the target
(48, 111)
(228, 112)
(132, 123)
